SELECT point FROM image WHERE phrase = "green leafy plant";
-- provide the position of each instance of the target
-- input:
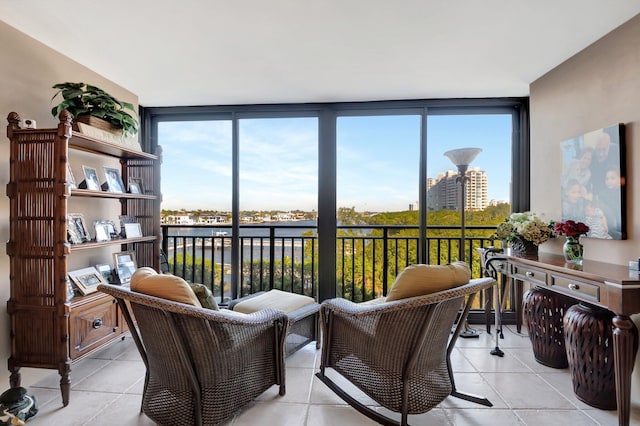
(83, 99)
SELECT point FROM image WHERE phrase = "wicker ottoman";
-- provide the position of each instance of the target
(543, 311)
(588, 335)
(302, 314)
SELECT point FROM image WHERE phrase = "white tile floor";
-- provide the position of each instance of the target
(107, 390)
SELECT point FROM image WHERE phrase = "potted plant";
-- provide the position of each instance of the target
(526, 231)
(83, 101)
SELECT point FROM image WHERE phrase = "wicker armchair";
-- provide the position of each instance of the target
(398, 353)
(202, 365)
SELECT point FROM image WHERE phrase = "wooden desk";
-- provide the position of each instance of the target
(610, 286)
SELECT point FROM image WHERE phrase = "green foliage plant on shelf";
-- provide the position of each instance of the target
(83, 99)
(525, 226)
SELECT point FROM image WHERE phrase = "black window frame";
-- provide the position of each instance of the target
(327, 114)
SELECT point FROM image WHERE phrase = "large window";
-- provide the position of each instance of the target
(377, 167)
(278, 166)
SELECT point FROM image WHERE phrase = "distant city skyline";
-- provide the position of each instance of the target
(377, 160)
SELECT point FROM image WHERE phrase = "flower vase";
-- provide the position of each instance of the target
(572, 250)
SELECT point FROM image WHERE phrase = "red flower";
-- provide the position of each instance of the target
(571, 228)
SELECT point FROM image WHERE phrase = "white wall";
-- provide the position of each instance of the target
(597, 87)
(28, 69)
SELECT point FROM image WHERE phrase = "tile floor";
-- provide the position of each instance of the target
(107, 390)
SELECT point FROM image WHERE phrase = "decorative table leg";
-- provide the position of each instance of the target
(518, 308)
(65, 387)
(488, 299)
(624, 349)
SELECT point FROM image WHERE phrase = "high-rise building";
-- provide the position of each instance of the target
(442, 192)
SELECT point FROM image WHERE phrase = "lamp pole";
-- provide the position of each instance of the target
(462, 157)
(462, 179)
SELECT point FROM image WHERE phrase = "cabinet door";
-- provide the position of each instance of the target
(94, 324)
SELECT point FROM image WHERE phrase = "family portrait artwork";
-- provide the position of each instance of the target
(593, 182)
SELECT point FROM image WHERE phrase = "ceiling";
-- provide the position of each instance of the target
(257, 51)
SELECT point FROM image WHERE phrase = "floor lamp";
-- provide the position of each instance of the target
(462, 157)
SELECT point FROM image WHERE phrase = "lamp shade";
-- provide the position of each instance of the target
(462, 156)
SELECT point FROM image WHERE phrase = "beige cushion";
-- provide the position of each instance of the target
(146, 280)
(419, 280)
(274, 299)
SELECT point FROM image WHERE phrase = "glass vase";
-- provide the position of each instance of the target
(572, 250)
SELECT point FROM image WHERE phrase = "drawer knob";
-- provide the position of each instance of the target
(529, 274)
(97, 323)
(573, 286)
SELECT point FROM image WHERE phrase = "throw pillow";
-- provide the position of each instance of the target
(205, 296)
(419, 280)
(146, 280)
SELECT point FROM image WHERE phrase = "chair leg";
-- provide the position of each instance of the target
(357, 405)
(452, 342)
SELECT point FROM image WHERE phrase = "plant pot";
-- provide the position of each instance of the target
(524, 248)
(98, 123)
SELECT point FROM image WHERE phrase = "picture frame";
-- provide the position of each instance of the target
(111, 228)
(135, 185)
(593, 182)
(86, 279)
(102, 230)
(71, 180)
(90, 179)
(124, 219)
(107, 273)
(114, 180)
(132, 230)
(77, 231)
(126, 265)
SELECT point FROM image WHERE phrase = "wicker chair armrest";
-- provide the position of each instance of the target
(224, 316)
(347, 307)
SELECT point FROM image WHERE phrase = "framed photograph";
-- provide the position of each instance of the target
(593, 182)
(125, 265)
(135, 185)
(114, 180)
(102, 230)
(76, 229)
(71, 180)
(132, 230)
(107, 273)
(86, 279)
(111, 228)
(90, 178)
(124, 219)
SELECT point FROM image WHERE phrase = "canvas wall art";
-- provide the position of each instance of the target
(593, 182)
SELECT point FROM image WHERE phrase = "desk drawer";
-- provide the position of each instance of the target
(578, 289)
(530, 275)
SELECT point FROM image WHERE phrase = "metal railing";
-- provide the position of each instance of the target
(284, 257)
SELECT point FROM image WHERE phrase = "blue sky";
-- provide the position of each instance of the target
(377, 160)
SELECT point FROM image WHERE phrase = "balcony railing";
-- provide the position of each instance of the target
(285, 257)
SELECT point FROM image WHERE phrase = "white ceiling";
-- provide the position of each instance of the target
(207, 52)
